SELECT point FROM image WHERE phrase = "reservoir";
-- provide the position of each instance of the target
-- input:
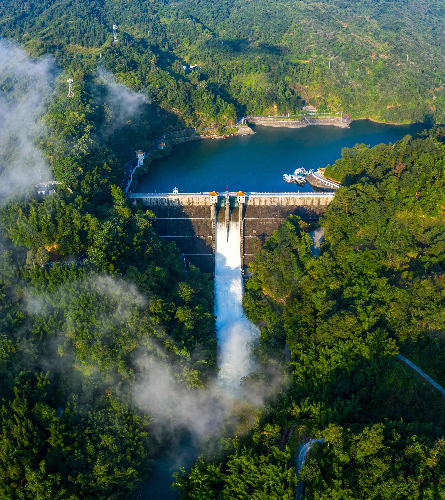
(258, 162)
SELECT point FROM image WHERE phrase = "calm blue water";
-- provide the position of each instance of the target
(258, 162)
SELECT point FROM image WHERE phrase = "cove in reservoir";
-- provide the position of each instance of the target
(258, 162)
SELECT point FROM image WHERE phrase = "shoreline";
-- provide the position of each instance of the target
(388, 123)
(247, 130)
(242, 130)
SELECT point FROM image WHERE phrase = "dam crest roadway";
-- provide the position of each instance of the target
(189, 219)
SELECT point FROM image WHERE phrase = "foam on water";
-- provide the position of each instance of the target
(235, 333)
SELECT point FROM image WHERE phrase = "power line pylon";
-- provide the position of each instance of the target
(70, 87)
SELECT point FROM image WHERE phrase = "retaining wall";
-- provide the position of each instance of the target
(300, 122)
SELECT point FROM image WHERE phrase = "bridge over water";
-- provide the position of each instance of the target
(189, 219)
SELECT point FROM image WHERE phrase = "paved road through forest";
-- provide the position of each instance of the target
(305, 448)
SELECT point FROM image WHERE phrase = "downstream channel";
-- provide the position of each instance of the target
(235, 333)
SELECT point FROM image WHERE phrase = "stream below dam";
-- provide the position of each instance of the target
(257, 162)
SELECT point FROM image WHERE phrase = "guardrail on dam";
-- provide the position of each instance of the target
(189, 219)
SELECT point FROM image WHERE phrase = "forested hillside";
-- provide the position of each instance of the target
(100, 320)
(378, 59)
(376, 289)
(93, 302)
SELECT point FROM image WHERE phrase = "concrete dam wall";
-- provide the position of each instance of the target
(189, 219)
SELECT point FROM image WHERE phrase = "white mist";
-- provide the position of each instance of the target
(235, 333)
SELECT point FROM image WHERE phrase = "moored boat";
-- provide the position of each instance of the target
(298, 177)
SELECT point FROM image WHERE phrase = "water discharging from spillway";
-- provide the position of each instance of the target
(235, 333)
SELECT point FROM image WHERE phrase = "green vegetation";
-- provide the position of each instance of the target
(376, 288)
(259, 57)
(92, 299)
(384, 461)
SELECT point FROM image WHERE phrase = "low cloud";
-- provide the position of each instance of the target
(122, 102)
(202, 412)
(25, 85)
(117, 296)
(161, 389)
(317, 239)
(174, 406)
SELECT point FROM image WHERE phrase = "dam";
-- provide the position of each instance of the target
(190, 219)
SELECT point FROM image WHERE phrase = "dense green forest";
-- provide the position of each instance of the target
(94, 303)
(376, 59)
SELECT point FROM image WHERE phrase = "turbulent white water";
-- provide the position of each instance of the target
(235, 333)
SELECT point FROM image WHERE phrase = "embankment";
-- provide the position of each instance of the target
(300, 122)
(319, 182)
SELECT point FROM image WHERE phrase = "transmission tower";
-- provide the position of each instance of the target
(114, 33)
(70, 87)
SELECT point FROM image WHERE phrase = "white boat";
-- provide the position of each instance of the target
(295, 179)
(288, 178)
(299, 171)
(303, 172)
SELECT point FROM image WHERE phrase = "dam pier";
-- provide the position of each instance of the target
(190, 219)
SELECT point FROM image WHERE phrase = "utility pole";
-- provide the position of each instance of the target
(70, 87)
(114, 33)
(329, 64)
(407, 58)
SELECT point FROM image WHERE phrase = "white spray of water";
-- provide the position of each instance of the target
(172, 405)
(317, 239)
(235, 333)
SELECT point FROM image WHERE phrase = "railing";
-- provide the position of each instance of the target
(230, 194)
(327, 182)
(296, 193)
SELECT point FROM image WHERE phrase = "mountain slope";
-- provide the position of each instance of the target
(381, 59)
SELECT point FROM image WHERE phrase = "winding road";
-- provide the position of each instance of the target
(421, 373)
(128, 177)
(303, 451)
(305, 448)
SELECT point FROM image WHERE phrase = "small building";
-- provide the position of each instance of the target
(213, 197)
(241, 197)
(46, 187)
(140, 155)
